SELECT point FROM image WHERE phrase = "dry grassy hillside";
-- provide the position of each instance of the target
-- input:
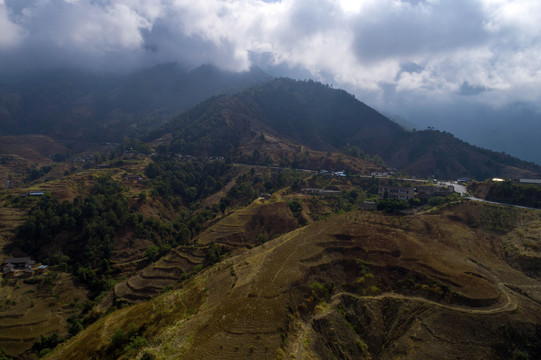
(358, 285)
(17, 153)
(243, 228)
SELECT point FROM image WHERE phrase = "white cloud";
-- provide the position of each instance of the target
(362, 45)
(10, 33)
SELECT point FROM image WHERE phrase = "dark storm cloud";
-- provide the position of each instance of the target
(108, 35)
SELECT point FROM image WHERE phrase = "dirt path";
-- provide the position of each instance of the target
(509, 303)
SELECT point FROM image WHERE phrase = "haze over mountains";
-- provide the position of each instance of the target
(75, 104)
(79, 106)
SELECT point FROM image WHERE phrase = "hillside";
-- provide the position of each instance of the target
(507, 192)
(310, 114)
(356, 286)
(219, 229)
(238, 260)
(69, 104)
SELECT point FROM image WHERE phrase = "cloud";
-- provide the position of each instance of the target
(493, 43)
(424, 46)
(397, 55)
(467, 89)
(10, 33)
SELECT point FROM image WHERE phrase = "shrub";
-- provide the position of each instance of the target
(392, 205)
(436, 200)
(118, 338)
(136, 342)
(147, 356)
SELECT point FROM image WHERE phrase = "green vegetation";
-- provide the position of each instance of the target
(46, 343)
(518, 344)
(147, 356)
(4, 356)
(189, 181)
(119, 338)
(355, 151)
(35, 173)
(295, 207)
(392, 205)
(91, 223)
(322, 292)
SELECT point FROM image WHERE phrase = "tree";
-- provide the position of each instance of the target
(152, 253)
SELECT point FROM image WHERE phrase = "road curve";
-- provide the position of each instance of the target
(509, 304)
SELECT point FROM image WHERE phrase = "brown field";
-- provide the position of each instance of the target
(28, 311)
(17, 153)
(34, 148)
(358, 285)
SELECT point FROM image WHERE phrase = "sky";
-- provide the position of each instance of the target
(471, 67)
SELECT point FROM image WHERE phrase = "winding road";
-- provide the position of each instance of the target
(509, 303)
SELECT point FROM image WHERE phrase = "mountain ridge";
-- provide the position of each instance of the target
(307, 113)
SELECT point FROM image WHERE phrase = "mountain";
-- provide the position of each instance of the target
(70, 104)
(307, 113)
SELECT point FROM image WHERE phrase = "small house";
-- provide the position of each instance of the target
(368, 205)
(18, 266)
(134, 178)
(36, 193)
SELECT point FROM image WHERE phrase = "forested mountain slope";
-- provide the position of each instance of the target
(315, 115)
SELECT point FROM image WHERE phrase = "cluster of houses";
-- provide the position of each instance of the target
(407, 193)
(333, 173)
(21, 267)
(322, 192)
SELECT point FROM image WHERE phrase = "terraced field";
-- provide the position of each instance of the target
(168, 271)
(242, 227)
(238, 230)
(10, 218)
(358, 285)
(28, 311)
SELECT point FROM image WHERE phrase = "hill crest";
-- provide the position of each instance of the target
(310, 114)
